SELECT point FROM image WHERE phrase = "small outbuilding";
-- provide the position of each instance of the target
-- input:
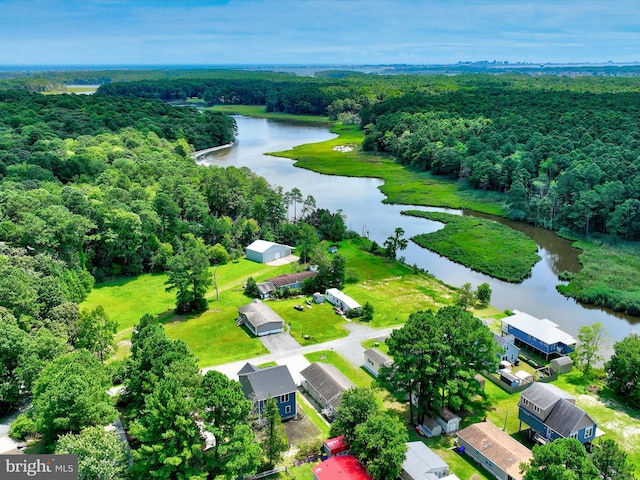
(449, 421)
(336, 447)
(430, 428)
(562, 364)
(260, 319)
(262, 251)
(318, 297)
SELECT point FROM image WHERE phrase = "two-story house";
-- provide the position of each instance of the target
(276, 382)
(552, 413)
(541, 336)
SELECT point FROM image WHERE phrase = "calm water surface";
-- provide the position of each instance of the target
(361, 201)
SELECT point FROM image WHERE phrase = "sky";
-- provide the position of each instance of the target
(316, 32)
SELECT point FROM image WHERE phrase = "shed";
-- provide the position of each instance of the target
(262, 251)
(509, 378)
(525, 377)
(430, 428)
(260, 319)
(421, 463)
(318, 297)
(449, 421)
(336, 446)
(562, 364)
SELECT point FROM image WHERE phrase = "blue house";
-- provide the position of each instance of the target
(552, 413)
(507, 344)
(543, 337)
(276, 382)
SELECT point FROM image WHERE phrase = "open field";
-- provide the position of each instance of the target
(260, 112)
(483, 245)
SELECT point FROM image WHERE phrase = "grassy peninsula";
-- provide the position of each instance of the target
(482, 245)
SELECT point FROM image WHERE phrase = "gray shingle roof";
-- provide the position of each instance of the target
(290, 278)
(545, 395)
(258, 314)
(502, 341)
(328, 381)
(262, 382)
(377, 356)
(566, 418)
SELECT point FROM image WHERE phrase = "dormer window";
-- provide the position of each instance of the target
(525, 402)
(536, 408)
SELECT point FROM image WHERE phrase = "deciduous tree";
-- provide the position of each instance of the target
(564, 458)
(379, 444)
(101, 454)
(623, 369)
(591, 340)
(356, 406)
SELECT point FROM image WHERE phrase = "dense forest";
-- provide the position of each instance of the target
(93, 187)
(563, 151)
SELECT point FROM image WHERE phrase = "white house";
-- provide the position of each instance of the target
(340, 300)
(374, 359)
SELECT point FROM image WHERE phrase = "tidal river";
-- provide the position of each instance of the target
(361, 202)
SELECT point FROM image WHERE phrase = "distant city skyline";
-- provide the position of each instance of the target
(316, 32)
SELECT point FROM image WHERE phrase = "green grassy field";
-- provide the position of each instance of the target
(482, 245)
(402, 185)
(260, 112)
(609, 276)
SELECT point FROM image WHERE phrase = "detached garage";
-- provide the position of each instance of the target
(262, 251)
(260, 319)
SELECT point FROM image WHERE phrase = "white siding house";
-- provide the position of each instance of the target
(339, 299)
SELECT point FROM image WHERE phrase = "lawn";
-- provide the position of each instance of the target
(482, 245)
(357, 375)
(317, 324)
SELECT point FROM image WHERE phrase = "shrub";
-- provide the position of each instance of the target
(22, 427)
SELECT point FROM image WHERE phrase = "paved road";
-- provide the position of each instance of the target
(350, 347)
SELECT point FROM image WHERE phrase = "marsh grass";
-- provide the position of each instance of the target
(483, 245)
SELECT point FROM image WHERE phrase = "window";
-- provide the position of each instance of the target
(284, 398)
(588, 432)
(525, 402)
(573, 435)
(287, 409)
(536, 408)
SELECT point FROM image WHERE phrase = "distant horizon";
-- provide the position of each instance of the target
(316, 32)
(302, 65)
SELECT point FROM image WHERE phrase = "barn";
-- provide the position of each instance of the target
(262, 251)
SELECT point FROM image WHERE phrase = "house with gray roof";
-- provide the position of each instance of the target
(325, 384)
(259, 318)
(276, 382)
(509, 351)
(375, 359)
(552, 413)
(421, 463)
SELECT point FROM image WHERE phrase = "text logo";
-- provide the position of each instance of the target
(46, 467)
